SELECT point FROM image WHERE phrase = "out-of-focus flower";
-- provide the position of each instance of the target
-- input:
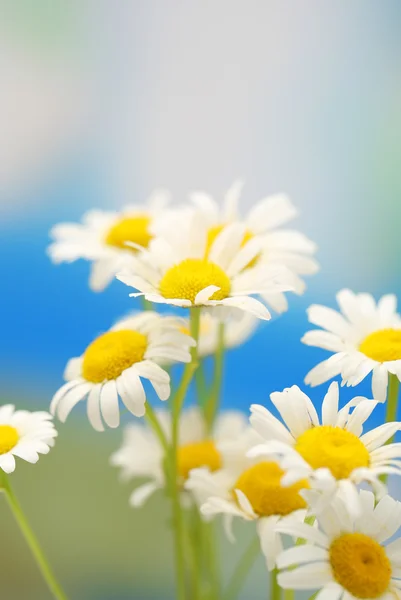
(333, 456)
(24, 434)
(141, 454)
(176, 271)
(346, 557)
(365, 337)
(251, 490)
(102, 238)
(280, 246)
(113, 364)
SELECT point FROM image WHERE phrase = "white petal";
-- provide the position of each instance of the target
(150, 370)
(143, 493)
(7, 462)
(72, 398)
(325, 370)
(205, 294)
(248, 304)
(60, 393)
(379, 383)
(132, 393)
(303, 530)
(330, 405)
(93, 408)
(329, 319)
(109, 404)
(323, 339)
(102, 273)
(307, 577)
(270, 541)
(301, 554)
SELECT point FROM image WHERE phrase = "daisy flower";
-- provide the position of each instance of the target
(365, 338)
(101, 238)
(141, 454)
(251, 490)
(114, 363)
(24, 434)
(280, 246)
(236, 332)
(346, 556)
(177, 271)
(332, 455)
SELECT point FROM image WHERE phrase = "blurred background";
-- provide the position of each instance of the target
(100, 103)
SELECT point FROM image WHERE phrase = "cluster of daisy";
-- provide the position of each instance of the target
(314, 484)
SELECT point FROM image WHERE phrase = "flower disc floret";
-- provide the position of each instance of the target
(8, 438)
(111, 353)
(360, 565)
(196, 455)
(334, 448)
(130, 229)
(383, 345)
(186, 279)
(261, 485)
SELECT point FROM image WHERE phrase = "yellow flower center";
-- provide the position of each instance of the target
(189, 277)
(130, 229)
(360, 565)
(111, 353)
(8, 438)
(382, 345)
(261, 485)
(196, 455)
(334, 448)
(216, 230)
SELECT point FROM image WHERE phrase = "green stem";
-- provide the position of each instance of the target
(391, 408)
(212, 559)
(392, 400)
(153, 421)
(31, 540)
(146, 305)
(200, 384)
(288, 594)
(213, 402)
(242, 569)
(177, 405)
(275, 590)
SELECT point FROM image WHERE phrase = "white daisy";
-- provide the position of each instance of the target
(101, 238)
(365, 337)
(141, 454)
(236, 332)
(182, 271)
(280, 246)
(24, 434)
(333, 456)
(249, 489)
(346, 557)
(113, 364)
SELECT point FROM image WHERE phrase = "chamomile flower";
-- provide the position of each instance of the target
(176, 271)
(114, 363)
(333, 455)
(236, 332)
(251, 490)
(101, 238)
(280, 246)
(346, 556)
(141, 454)
(365, 338)
(24, 434)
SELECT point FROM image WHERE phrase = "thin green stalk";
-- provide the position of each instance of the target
(242, 569)
(214, 398)
(31, 540)
(146, 305)
(391, 408)
(392, 400)
(288, 594)
(201, 384)
(309, 521)
(212, 559)
(153, 421)
(177, 405)
(275, 589)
